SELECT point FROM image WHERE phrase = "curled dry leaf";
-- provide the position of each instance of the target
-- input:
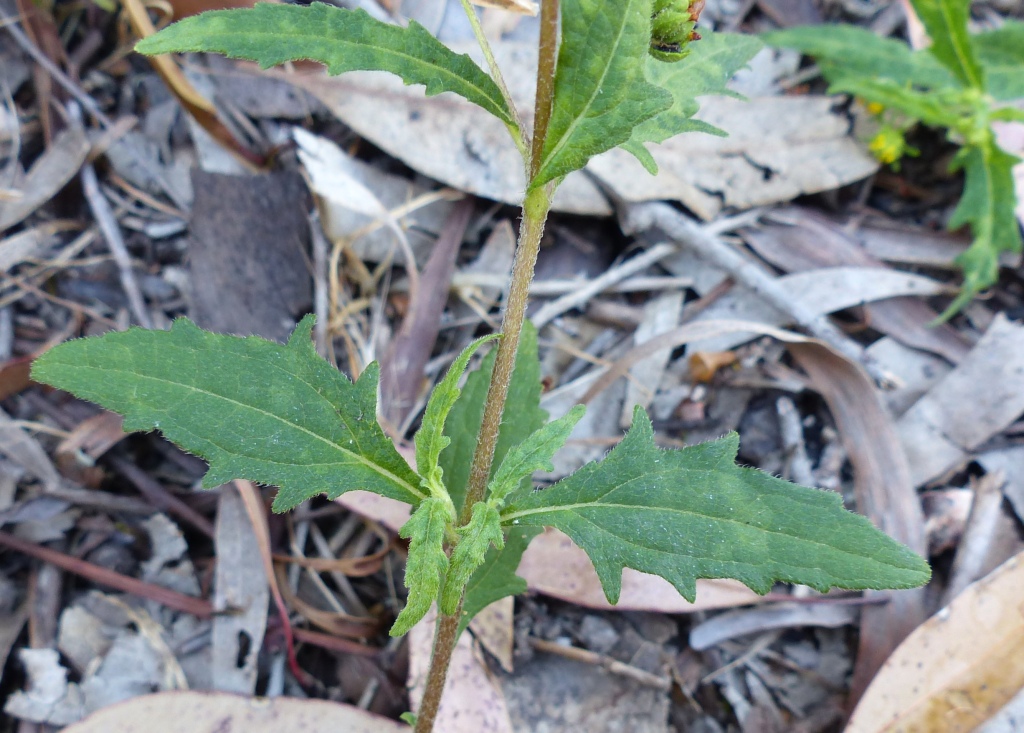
(48, 175)
(975, 401)
(959, 668)
(206, 712)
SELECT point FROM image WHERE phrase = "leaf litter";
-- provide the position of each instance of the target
(942, 375)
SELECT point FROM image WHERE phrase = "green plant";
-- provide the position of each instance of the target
(280, 415)
(960, 83)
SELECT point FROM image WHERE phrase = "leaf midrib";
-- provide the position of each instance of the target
(370, 464)
(957, 41)
(562, 141)
(508, 518)
(302, 36)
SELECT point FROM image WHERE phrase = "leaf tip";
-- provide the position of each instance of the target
(302, 335)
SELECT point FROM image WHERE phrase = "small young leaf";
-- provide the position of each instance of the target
(342, 40)
(1001, 53)
(851, 51)
(254, 409)
(600, 90)
(521, 418)
(496, 578)
(692, 513)
(532, 455)
(711, 63)
(427, 566)
(987, 205)
(431, 440)
(483, 530)
(946, 23)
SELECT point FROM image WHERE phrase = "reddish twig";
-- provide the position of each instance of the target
(110, 578)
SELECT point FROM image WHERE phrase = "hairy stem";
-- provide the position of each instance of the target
(535, 213)
(445, 636)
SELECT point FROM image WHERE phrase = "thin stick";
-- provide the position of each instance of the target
(111, 229)
(685, 231)
(614, 275)
(11, 26)
(611, 664)
(104, 576)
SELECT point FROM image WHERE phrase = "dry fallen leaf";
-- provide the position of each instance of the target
(959, 668)
(48, 175)
(554, 566)
(212, 712)
(975, 401)
(778, 148)
(242, 591)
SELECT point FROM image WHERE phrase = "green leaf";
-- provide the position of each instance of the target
(711, 63)
(427, 566)
(482, 531)
(939, 109)
(692, 513)
(522, 415)
(851, 51)
(254, 409)
(342, 40)
(946, 23)
(987, 205)
(1001, 53)
(496, 578)
(600, 90)
(430, 439)
(532, 455)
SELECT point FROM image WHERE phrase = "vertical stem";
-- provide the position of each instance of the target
(535, 213)
(445, 636)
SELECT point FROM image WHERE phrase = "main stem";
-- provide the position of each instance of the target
(535, 211)
(536, 206)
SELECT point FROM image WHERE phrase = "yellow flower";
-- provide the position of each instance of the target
(876, 108)
(888, 145)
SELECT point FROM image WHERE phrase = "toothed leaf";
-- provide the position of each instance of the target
(342, 40)
(252, 408)
(693, 513)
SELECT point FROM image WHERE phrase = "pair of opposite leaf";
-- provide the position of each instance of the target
(431, 572)
(281, 415)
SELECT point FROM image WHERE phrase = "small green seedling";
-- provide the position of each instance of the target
(283, 416)
(961, 83)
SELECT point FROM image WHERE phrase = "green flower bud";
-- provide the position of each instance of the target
(672, 28)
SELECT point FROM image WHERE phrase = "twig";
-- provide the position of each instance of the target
(104, 576)
(321, 294)
(605, 662)
(687, 232)
(980, 533)
(160, 497)
(793, 442)
(593, 287)
(11, 26)
(108, 224)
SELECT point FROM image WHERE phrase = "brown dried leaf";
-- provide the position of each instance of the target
(959, 668)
